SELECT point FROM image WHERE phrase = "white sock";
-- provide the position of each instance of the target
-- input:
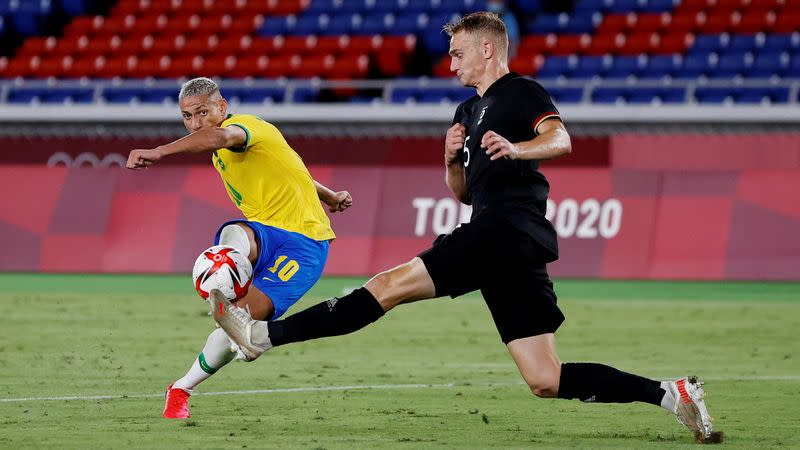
(668, 402)
(234, 236)
(215, 354)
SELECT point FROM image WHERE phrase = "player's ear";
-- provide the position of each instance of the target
(488, 48)
(223, 106)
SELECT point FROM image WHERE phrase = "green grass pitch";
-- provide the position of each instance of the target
(84, 360)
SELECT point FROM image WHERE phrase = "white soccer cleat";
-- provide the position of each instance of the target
(238, 325)
(690, 409)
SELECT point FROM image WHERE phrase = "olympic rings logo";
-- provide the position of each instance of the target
(86, 159)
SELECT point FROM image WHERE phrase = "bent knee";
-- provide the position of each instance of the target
(544, 387)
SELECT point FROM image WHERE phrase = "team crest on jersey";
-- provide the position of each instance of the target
(483, 111)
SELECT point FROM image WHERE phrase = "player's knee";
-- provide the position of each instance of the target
(237, 237)
(544, 385)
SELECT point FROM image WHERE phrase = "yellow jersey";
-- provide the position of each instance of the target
(268, 181)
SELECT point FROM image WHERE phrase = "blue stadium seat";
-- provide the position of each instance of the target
(435, 40)
(458, 95)
(376, 23)
(590, 6)
(623, 6)
(252, 94)
(274, 26)
(24, 95)
(305, 95)
(530, 6)
(659, 66)
(643, 95)
(745, 42)
(324, 6)
(590, 66)
(793, 71)
(768, 64)
(308, 23)
(463, 6)
(625, 66)
(708, 43)
(433, 95)
(158, 95)
(579, 23)
(403, 94)
(416, 6)
(778, 42)
(555, 66)
(75, 7)
(673, 95)
(342, 24)
(566, 94)
(760, 95)
(656, 6)
(62, 95)
(353, 6)
(409, 23)
(548, 23)
(731, 64)
(694, 66)
(608, 95)
(713, 94)
(120, 94)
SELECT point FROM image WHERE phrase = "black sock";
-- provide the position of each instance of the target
(591, 382)
(332, 317)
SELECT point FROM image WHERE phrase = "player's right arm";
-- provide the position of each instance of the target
(203, 140)
(455, 177)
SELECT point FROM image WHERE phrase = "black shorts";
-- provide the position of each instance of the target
(506, 265)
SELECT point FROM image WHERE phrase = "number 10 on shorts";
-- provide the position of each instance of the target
(284, 271)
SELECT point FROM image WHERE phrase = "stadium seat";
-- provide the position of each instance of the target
(625, 66)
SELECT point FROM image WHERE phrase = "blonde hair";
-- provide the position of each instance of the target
(481, 23)
(197, 87)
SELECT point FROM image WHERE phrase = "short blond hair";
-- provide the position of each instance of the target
(197, 87)
(481, 23)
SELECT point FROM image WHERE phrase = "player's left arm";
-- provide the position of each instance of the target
(552, 142)
(336, 201)
(203, 140)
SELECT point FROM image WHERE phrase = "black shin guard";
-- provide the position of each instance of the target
(591, 382)
(332, 317)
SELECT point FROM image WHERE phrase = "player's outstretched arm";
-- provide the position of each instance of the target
(336, 201)
(203, 140)
(552, 142)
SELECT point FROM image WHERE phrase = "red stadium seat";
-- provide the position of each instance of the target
(606, 44)
(570, 44)
(235, 44)
(730, 5)
(185, 66)
(37, 46)
(252, 65)
(636, 44)
(674, 42)
(687, 22)
(721, 22)
(247, 23)
(332, 44)
(314, 65)
(694, 6)
(349, 66)
(51, 67)
(211, 24)
(169, 45)
(755, 22)
(221, 66)
(105, 45)
(150, 24)
(787, 22)
(151, 66)
(653, 22)
(84, 25)
(298, 44)
(365, 44)
(617, 23)
(81, 67)
(281, 66)
(201, 44)
(536, 44)
(524, 65)
(20, 67)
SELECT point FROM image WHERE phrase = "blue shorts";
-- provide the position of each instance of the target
(288, 263)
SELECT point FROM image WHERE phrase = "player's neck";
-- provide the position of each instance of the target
(493, 73)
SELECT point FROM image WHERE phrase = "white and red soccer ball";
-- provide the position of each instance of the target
(224, 268)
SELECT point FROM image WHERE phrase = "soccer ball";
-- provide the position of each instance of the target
(225, 268)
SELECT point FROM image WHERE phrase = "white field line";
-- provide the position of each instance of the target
(791, 378)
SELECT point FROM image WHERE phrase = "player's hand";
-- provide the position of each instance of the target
(498, 147)
(340, 201)
(143, 158)
(454, 143)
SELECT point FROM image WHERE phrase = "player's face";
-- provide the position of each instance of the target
(467, 59)
(203, 111)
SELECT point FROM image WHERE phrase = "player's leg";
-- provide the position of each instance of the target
(527, 316)
(217, 351)
(445, 269)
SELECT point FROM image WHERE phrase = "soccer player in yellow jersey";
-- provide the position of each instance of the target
(286, 231)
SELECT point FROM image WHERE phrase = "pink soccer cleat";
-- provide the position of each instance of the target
(176, 403)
